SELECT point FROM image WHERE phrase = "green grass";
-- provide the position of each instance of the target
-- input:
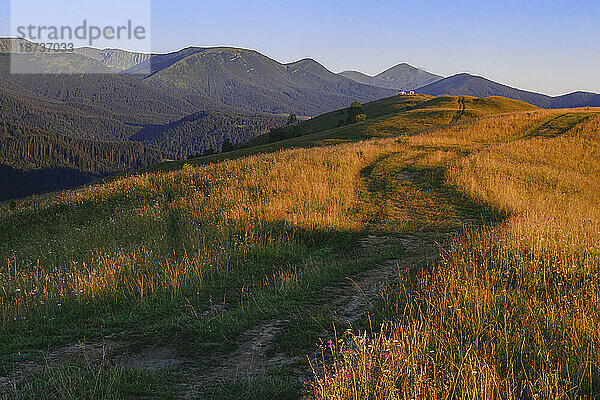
(559, 124)
(254, 235)
(392, 116)
(334, 119)
(280, 384)
(84, 380)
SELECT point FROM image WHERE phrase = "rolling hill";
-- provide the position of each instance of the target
(400, 77)
(470, 85)
(392, 116)
(461, 247)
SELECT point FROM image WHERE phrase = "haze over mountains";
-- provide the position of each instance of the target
(185, 103)
(400, 77)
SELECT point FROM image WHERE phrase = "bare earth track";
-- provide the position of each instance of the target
(252, 357)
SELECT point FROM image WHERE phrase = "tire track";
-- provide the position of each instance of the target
(460, 112)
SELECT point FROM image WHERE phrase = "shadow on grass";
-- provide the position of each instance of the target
(279, 278)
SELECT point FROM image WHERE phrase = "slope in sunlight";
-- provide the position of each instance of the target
(393, 116)
(192, 267)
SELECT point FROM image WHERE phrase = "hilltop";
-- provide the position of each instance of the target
(393, 116)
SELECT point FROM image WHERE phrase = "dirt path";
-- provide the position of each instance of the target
(349, 302)
(360, 295)
(460, 112)
(352, 301)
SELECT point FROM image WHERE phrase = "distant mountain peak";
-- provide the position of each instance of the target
(402, 66)
(402, 76)
(306, 60)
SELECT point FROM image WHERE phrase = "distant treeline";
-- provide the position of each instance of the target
(345, 116)
(31, 148)
(31, 157)
(206, 132)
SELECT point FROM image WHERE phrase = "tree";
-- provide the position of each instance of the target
(227, 146)
(360, 118)
(292, 119)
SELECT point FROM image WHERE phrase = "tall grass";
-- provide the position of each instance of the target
(510, 311)
(183, 225)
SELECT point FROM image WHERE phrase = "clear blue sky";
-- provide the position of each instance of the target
(548, 46)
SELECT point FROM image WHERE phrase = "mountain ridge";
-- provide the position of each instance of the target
(402, 76)
(465, 84)
(250, 80)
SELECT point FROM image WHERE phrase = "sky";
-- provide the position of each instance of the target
(548, 46)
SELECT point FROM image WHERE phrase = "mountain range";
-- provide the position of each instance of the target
(137, 109)
(470, 85)
(400, 77)
(251, 81)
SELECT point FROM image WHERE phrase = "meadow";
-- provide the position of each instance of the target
(509, 311)
(487, 208)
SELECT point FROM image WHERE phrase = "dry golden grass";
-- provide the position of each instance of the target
(511, 311)
(213, 210)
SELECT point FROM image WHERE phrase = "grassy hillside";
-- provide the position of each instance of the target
(390, 116)
(472, 246)
(507, 312)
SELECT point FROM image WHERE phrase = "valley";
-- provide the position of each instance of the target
(188, 103)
